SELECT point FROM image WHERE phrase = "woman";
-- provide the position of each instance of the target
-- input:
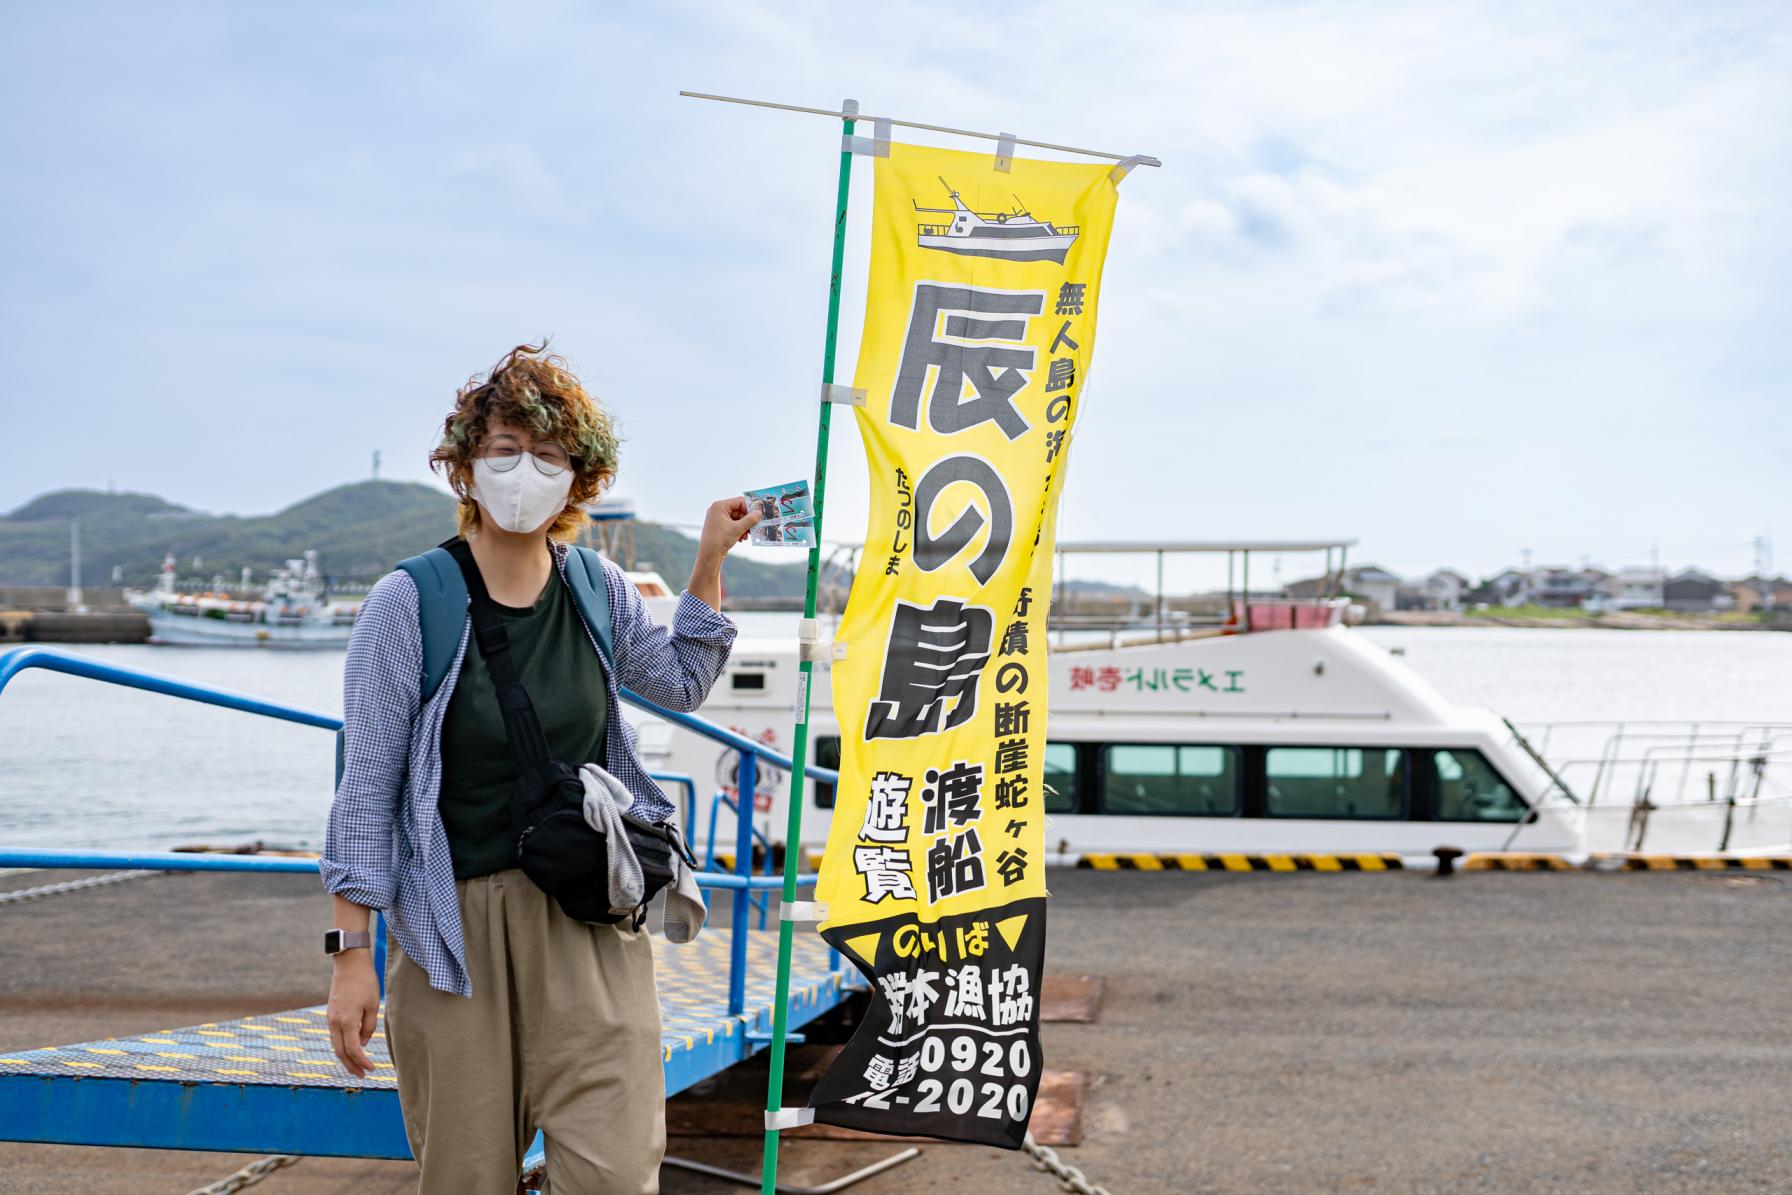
(503, 1014)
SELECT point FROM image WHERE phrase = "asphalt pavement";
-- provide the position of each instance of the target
(1531, 1032)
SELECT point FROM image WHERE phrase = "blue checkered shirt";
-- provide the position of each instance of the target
(385, 847)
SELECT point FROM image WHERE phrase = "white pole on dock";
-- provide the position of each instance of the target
(75, 604)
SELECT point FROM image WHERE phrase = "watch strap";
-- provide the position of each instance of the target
(338, 940)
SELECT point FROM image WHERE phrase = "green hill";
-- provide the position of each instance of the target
(360, 531)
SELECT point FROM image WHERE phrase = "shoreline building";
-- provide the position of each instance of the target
(1692, 591)
(1637, 589)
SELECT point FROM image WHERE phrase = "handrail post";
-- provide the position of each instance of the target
(1160, 595)
(715, 810)
(1246, 629)
(743, 866)
(379, 948)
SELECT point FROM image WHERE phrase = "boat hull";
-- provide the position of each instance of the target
(189, 631)
(1039, 249)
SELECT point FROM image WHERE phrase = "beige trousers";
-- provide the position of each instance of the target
(562, 1033)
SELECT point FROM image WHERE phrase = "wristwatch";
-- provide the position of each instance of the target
(338, 940)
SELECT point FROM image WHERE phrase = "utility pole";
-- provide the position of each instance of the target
(1764, 570)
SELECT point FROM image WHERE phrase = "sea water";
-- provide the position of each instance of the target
(87, 764)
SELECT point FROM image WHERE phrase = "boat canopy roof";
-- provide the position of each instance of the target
(1205, 545)
(1175, 545)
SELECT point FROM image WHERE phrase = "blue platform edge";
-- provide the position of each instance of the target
(700, 1037)
(358, 1121)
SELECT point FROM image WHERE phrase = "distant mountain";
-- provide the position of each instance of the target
(360, 531)
(78, 504)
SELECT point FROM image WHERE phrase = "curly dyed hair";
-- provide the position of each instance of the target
(530, 388)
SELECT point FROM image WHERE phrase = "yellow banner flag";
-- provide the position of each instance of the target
(979, 329)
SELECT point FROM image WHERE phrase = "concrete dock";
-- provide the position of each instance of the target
(1302, 1033)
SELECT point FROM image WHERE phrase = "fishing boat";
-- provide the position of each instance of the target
(1012, 236)
(1269, 727)
(294, 609)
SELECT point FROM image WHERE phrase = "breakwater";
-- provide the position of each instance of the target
(43, 614)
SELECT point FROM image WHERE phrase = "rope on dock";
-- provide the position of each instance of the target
(99, 881)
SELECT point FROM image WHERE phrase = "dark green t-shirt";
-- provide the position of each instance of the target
(561, 671)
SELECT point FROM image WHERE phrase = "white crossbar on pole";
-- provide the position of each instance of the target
(1136, 159)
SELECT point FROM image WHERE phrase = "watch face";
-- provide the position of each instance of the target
(332, 941)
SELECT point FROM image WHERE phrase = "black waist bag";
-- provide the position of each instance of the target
(554, 845)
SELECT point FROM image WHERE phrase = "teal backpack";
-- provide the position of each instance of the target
(442, 613)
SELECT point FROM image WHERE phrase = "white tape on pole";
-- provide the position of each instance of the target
(788, 1118)
(803, 910)
(875, 146)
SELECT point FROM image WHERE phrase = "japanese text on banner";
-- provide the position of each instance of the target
(979, 329)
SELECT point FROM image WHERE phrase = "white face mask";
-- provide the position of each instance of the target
(520, 499)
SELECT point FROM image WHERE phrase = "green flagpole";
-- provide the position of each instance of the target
(799, 748)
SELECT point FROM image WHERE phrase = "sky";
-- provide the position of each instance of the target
(1457, 280)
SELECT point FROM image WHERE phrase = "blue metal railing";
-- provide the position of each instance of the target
(688, 794)
(762, 902)
(741, 882)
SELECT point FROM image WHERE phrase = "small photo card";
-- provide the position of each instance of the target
(785, 516)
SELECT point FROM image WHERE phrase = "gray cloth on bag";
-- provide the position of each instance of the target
(606, 801)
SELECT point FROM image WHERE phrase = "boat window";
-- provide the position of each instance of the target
(827, 755)
(1162, 779)
(1060, 774)
(1469, 790)
(747, 682)
(1334, 782)
(1060, 778)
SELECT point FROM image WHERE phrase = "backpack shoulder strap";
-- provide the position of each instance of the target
(441, 611)
(585, 573)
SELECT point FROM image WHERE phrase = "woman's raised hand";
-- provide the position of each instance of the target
(725, 524)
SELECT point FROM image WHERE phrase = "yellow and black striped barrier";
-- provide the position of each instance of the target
(1481, 861)
(1382, 861)
(1614, 862)
(1132, 861)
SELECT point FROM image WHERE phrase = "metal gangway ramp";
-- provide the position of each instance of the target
(270, 1084)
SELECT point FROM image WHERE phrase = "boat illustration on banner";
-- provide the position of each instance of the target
(1013, 236)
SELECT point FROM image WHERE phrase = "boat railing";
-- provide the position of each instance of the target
(1707, 785)
(740, 882)
(1642, 753)
(1194, 618)
(940, 230)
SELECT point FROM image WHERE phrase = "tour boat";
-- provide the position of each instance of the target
(1012, 236)
(1273, 728)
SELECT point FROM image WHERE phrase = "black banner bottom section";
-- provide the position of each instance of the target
(949, 1046)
